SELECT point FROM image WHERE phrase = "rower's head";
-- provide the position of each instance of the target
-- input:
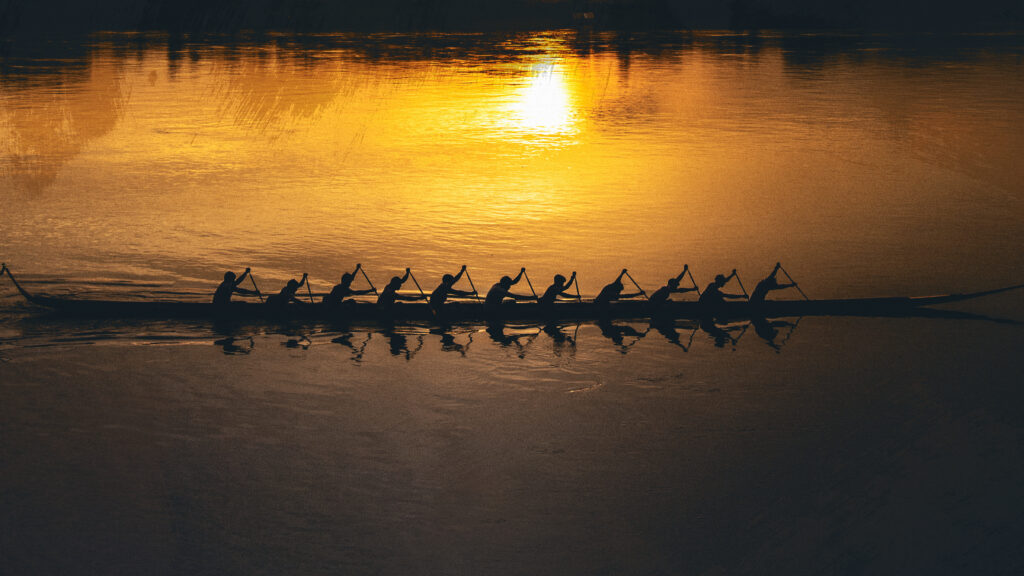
(673, 283)
(346, 279)
(293, 284)
(559, 279)
(720, 280)
(396, 282)
(229, 276)
(505, 282)
(448, 280)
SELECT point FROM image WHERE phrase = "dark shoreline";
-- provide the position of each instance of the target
(67, 17)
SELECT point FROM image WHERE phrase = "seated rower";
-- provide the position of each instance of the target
(557, 290)
(344, 289)
(662, 294)
(444, 290)
(229, 286)
(287, 294)
(767, 285)
(497, 294)
(713, 297)
(389, 294)
(613, 292)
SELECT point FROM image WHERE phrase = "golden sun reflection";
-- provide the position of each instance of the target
(543, 105)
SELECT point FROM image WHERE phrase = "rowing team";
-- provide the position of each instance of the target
(500, 291)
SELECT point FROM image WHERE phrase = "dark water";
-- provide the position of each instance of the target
(137, 166)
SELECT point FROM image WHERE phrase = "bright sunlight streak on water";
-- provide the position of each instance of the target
(543, 104)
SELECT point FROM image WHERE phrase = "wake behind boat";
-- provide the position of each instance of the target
(369, 312)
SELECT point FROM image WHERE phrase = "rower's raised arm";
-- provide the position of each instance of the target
(679, 278)
(242, 277)
(519, 276)
(459, 275)
(406, 277)
(303, 281)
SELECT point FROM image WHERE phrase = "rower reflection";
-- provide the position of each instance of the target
(722, 334)
(618, 333)
(357, 351)
(448, 342)
(560, 341)
(231, 347)
(768, 330)
(398, 343)
(668, 329)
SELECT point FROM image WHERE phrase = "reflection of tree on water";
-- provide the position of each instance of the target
(52, 113)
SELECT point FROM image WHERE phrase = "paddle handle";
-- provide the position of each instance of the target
(530, 284)
(795, 285)
(740, 282)
(470, 278)
(692, 279)
(255, 287)
(411, 275)
(628, 275)
(360, 266)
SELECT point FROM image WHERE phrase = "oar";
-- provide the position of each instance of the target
(740, 282)
(308, 289)
(576, 281)
(468, 277)
(795, 285)
(257, 288)
(360, 268)
(417, 284)
(530, 284)
(692, 279)
(635, 284)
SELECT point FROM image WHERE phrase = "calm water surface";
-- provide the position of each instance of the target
(145, 166)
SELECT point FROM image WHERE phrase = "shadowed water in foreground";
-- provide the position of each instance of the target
(862, 445)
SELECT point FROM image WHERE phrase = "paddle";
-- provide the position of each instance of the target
(257, 288)
(468, 277)
(577, 282)
(740, 282)
(417, 284)
(635, 284)
(795, 285)
(360, 268)
(530, 284)
(308, 289)
(694, 280)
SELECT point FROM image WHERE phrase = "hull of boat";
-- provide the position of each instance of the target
(474, 312)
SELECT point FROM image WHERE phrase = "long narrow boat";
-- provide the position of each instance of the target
(472, 311)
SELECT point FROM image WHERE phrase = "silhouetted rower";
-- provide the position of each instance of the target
(444, 290)
(713, 297)
(344, 290)
(613, 292)
(557, 290)
(497, 294)
(389, 294)
(229, 286)
(767, 285)
(287, 294)
(661, 295)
